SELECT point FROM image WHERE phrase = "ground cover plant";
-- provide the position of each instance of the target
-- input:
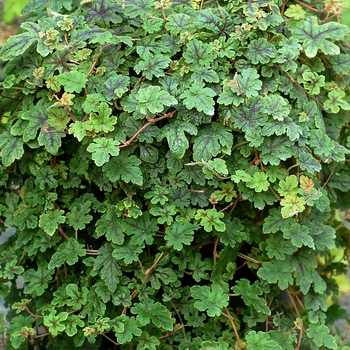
(176, 172)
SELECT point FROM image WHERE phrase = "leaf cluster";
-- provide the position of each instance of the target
(171, 168)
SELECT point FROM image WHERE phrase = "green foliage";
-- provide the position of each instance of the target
(12, 9)
(170, 168)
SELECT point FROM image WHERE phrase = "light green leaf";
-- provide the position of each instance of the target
(258, 182)
(79, 129)
(109, 268)
(198, 53)
(109, 225)
(335, 101)
(320, 335)
(48, 221)
(292, 205)
(288, 186)
(210, 218)
(128, 327)
(211, 140)
(250, 295)
(51, 140)
(316, 36)
(54, 322)
(103, 120)
(116, 86)
(72, 81)
(261, 341)
(276, 273)
(277, 106)
(73, 321)
(152, 99)
(102, 149)
(92, 102)
(37, 281)
(295, 11)
(127, 253)
(211, 299)
(78, 217)
(299, 235)
(247, 83)
(260, 51)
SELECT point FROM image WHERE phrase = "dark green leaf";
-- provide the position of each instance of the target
(36, 281)
(16, 45)
(175, 135)
(200, 98)
(109, 268)
(152, 65)
(110, 225)
(250, 294)
(68, 252)
(198, 53)
(124, 167)
(179, 234)
(210, 299)
(210, 141)
(148, 311)
(260, 51)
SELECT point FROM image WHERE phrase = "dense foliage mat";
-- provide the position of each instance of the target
(175, 172)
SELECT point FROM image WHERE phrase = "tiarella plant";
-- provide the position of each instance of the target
(174, 171)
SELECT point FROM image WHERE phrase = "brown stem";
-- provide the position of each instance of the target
(112, 341)
(95, 60)
(31, 314)
(335, 14)
(232, 321)
(283, 6)
(65, 271)
(291, 167)
(298, 314)
(215, 252)
(62, 232)
(40, 335)
(248, 258)
(329, 177)
(147, 274)
(302, 88)
(91, 251)
(22, 257)
(310, 7)
(274, 193)
(149, 270)
(176, 328)
(139, 82)
(150, 122)
(228, 206)
(235, 203)
(239, 144)
(180, 318)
